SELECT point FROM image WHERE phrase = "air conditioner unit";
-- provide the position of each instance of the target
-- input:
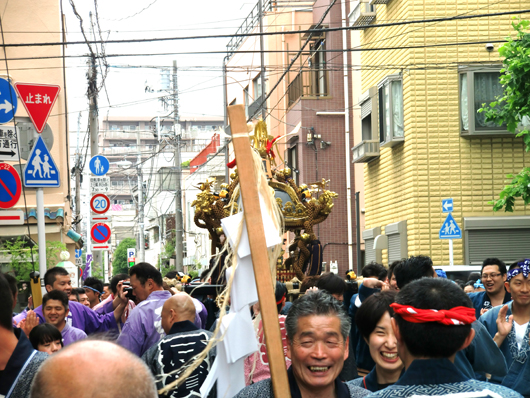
(363, 14)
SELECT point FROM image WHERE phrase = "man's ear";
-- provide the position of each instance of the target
(346, 348)
(48, 288)
(507, 286)
(469, 339)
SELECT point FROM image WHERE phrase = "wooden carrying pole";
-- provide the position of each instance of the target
(258, 250)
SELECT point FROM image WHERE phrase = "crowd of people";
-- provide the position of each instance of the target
(408, 332)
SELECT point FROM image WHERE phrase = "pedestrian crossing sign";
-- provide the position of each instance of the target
(41, 171)
(450, 229)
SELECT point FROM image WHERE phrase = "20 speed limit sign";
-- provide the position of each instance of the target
(100, 203)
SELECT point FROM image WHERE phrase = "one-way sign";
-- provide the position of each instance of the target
(447, 205)
(450, 229)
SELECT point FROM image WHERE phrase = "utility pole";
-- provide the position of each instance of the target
(140, 202)
(92, 93)
(179, 229)
(78, 179)
(262, 57)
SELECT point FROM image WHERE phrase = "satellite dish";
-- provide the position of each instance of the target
(28, 136)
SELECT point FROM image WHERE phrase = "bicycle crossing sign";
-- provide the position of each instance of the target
(41, 171)
(450, 229)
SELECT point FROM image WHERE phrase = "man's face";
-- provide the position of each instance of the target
(519, 287)
(83, 299)
(469, 289)
(492, 279)
(140, 291)
(62, 283)
(317, 351)
(106, 292)
(72, 297)
(93, 297)
(55, 313)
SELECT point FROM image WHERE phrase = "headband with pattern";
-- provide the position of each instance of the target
(524, 268)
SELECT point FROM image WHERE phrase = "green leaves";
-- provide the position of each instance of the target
(512, 107)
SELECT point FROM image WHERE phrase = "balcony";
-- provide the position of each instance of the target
(127, 135)
(362, 15)
(374, 2)
(365, 151)
(309, 83)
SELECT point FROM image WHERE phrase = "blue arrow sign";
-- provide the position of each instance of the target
(450, 229)
(99, 165)
(41, 171)
(447, 205)
(8, 101)
(78, 253)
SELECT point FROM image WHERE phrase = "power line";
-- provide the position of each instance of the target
(309, 31)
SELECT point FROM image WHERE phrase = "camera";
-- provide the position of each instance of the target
(128, 290)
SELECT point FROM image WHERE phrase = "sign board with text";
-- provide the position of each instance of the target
(38, 99)
(9, 143)
(99, 184)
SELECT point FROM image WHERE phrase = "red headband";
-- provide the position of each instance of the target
(454, 316)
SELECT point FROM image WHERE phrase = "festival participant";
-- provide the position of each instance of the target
(391, 278)
(46, 338)
(93, 289)
(182, 343)
(432, 322)
(79, 316)
(373, 321)
(509, 327)
(493, 276)
(18, 360)
(317, 336)
(106, 291)
(415, 267)
(78, 294)
(108, 305)
(143, 328)
(257, 364)
(72, 373)
(55, 310)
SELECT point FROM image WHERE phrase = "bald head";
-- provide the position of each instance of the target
(178, 308)
(71, 373)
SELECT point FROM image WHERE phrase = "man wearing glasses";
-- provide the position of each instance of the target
(493, 276)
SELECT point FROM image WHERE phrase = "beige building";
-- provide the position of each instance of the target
(20, 24)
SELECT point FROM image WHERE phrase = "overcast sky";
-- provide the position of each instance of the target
(124, 93)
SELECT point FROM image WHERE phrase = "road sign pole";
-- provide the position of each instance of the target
(41, 232)
(451, 262)
(106, 257)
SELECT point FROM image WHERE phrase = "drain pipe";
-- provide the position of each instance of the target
(345, 32)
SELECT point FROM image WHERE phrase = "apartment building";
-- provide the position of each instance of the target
(310, 105)
(421, 139)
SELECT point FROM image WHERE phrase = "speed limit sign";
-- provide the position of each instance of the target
(100, 203)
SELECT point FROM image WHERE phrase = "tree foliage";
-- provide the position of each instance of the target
(119, 261)
(513, 109)
(20, 256)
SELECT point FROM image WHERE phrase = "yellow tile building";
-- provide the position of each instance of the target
(421, 140)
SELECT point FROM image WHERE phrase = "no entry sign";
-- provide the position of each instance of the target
(100, 203)
(10, 186)
(100, 233)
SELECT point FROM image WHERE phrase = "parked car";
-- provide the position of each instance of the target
(461, 272)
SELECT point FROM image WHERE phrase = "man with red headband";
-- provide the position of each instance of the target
(509, 326)
(432, 322)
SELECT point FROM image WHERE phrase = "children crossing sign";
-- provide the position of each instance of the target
(450, 229)
(41, 171)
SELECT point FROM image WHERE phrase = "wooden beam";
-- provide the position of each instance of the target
(258, 250)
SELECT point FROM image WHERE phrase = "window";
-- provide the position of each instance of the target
(114, 127)
(505, 238)
(318, 68)
(370, 253)
(391, 126)
(257, 87)
(478, 86)
(368, 149)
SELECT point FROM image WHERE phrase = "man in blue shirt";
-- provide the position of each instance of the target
(493, 276)
(432, 322)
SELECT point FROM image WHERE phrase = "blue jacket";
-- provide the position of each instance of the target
(481, 301)
(517, 360)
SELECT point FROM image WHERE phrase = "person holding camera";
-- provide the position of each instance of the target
(143, 328)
